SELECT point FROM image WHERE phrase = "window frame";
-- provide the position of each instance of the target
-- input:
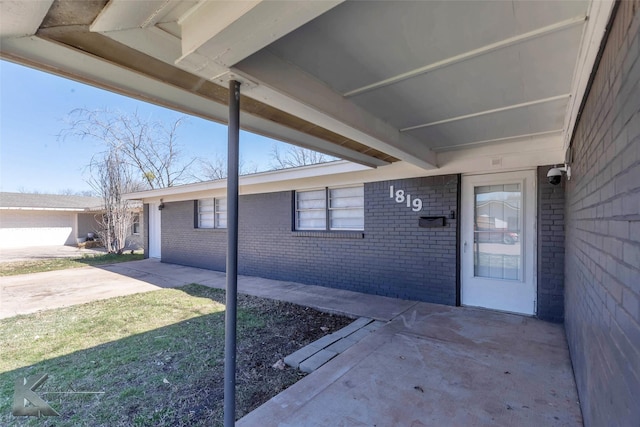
(135, 224)
(213, 215)
(327, 209)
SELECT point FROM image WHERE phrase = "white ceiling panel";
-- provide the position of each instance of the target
(351, 46)
(530, 120)
(516, 74)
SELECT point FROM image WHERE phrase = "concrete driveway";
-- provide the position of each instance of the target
(29, 293)
(45, 252)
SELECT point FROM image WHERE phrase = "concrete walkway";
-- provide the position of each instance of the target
(29, 293)
(427, 365)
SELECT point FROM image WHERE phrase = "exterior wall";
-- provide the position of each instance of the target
(550, 248)
(87, 224)
(184, 244)
(602, 272)
(137, 241)
(37, 228)
(392, 257)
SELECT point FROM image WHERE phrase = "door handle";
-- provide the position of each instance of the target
(464, 249)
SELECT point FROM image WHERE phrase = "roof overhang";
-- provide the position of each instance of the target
(424, 83)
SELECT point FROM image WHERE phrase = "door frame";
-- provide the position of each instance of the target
(155, 231)
(528, 178)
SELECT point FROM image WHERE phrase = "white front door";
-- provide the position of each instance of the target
(498, 242)
(155, 229)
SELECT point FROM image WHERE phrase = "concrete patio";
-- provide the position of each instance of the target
(427, 365)
(438, 365)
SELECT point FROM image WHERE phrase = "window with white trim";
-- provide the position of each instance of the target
(212, 213)
(220, 213)
(135, 225)
(330, 209)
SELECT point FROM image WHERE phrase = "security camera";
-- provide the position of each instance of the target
(555, 174)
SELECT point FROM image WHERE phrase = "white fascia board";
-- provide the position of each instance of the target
(228, 32)
(527, 153)
(247, 181)
(598, 14)
(19, 18)
(289, 89)
(58, 59)
(120, 15)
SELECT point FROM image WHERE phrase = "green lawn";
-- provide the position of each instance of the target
(156, 356)
(38, 266)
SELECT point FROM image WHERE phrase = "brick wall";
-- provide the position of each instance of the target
(550, 248)
(602, 273)
(392, 257)
(184, 244)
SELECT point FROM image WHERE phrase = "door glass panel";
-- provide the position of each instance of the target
(497, 248)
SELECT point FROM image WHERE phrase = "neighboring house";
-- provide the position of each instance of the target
(459, 105)
(52, 219)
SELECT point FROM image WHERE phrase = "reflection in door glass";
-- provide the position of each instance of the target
(497, 248)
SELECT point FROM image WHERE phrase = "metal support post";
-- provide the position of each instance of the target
(230, 319)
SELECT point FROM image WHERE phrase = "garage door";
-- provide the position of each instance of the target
(39, 228)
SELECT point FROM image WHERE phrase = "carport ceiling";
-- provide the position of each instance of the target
(371, 82)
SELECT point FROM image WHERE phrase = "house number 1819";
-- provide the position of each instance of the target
(401, 197)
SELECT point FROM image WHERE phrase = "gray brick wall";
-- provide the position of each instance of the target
(550, 248)
(602, 272)
(393, 256)
(184, 244)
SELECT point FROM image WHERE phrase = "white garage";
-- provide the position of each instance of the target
(44, 219)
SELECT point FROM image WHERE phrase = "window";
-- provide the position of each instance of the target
(346, 208)
(220, 213)
(330, 209)
(212, 213)
(135, 225)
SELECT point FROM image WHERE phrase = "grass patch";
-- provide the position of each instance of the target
(157, 356)
(39, 266)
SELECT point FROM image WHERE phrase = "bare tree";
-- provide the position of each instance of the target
(149, 146)
(217, 168)
(23, 189)
(295, 156)
(213, 169)
(111, 178)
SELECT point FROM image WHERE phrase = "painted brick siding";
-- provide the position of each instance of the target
(392, 257)
(602, 272)
(550, 248)
(184, 244)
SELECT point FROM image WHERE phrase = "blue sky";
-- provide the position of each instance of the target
(33, 108)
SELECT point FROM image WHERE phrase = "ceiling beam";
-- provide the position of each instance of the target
(289, 89)
(22, 18)
(470, 54)
(119, 15)
(227, 32)
(486, 112)
(556, 135)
